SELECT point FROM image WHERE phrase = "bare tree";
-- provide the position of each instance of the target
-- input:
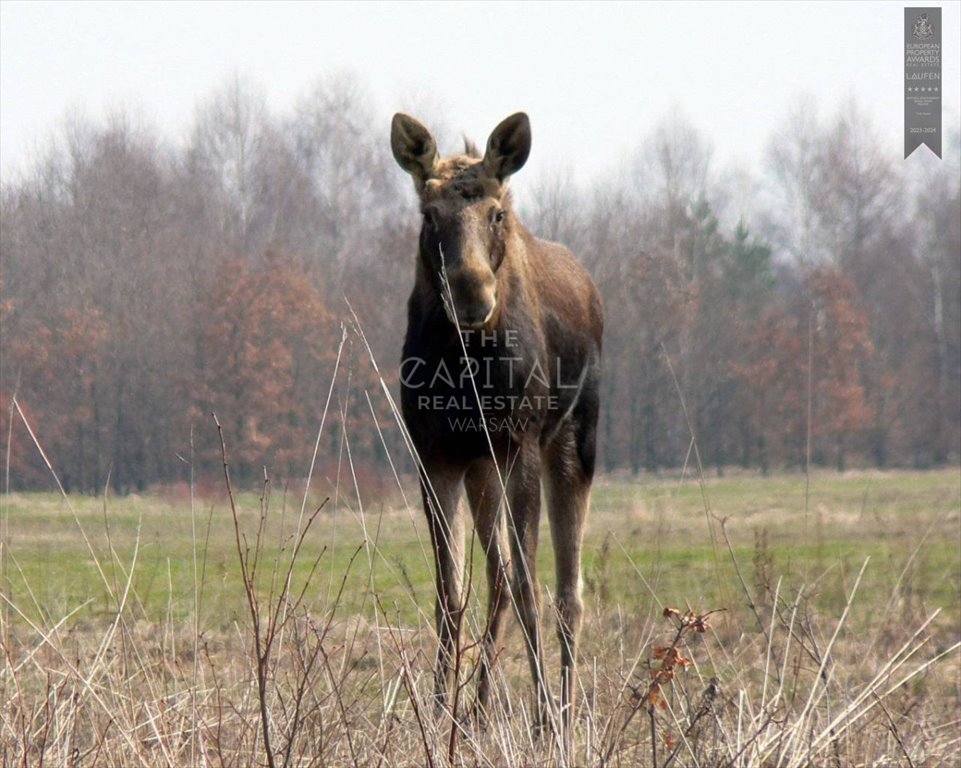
(353, 181)
(794, 184)
(228, 144)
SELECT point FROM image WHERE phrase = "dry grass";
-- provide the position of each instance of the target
(737, 622)
(784, 676)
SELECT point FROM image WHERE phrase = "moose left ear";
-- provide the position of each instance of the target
(508, 147)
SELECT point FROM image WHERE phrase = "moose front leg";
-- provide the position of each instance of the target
(441, 487)
(524, 497)
(485, 494)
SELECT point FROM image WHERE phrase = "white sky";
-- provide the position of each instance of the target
(595, 78)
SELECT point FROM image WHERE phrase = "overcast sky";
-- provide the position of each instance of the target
(595, 78)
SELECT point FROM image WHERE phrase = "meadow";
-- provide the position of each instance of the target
(741, 621)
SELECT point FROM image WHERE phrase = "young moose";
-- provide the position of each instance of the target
(499, 393)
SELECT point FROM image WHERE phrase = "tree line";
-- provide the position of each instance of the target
(808, 311)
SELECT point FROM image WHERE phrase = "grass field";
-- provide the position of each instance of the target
(128, 635)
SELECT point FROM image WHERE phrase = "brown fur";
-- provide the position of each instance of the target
(529, 314)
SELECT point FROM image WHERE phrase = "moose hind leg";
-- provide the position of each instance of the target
(568, 485)
(442, 505)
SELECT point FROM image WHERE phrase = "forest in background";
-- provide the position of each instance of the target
(812, 309)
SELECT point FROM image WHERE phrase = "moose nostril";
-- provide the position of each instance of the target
(477, 316)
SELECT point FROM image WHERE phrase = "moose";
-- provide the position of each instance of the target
(500, 394)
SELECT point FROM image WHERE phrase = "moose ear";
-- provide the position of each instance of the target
(414, 148)
(508, 147)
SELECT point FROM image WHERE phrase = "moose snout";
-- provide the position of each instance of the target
(476, 318)
(474, 300)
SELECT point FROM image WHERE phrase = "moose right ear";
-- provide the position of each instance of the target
(414, 148)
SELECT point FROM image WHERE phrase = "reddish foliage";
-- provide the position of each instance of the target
(829, 329)
(265, 349)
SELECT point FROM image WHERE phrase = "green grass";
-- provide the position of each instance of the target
(177, 659)
(645, 538)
